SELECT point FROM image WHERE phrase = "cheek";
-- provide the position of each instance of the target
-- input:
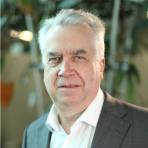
(46, 74)
(49, 77)
(88, 74)
(93, 74)
(46, 79)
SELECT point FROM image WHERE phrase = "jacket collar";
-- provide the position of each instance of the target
(43, 137)
(110, 129)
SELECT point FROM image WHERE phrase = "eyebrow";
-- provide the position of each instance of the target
(76, 52)
(53, 54)
(79, 51)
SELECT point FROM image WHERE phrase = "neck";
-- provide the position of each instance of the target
(67, 121)
(69, 114)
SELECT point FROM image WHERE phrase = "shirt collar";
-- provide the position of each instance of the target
(93, 111)
(89, 116)
(52, 120)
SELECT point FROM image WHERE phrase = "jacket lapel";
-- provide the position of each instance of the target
(43, 137)
(111, 128)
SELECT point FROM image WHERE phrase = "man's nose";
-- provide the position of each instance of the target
(66, 69)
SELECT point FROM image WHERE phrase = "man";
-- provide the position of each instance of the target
(83, 116)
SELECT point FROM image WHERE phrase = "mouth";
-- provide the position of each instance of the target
(69, 86)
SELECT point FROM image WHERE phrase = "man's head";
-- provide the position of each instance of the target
(69, 44)
(72, 17)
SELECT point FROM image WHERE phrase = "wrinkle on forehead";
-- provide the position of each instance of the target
(66, 36)
(86, 27)
(79, 29)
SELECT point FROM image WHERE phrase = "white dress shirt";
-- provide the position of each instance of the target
(82, 131)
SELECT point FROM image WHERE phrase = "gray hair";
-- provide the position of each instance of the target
(73, 17)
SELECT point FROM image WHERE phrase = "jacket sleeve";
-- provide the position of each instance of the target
(24, 143)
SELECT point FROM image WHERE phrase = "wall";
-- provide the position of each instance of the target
(18, 114)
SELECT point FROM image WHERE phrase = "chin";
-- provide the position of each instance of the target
(67, 101)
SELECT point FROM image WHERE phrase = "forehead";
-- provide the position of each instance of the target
(72, 37)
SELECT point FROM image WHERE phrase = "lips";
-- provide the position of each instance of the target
(68, 86)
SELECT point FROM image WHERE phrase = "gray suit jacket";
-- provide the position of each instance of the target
(121, 125)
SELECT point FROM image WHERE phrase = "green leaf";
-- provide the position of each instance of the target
(120, 76)
(67, 3)
(145, 6)
(26, 5)
(135, 42)
(134, 73)
(2, 63)
(131, 87)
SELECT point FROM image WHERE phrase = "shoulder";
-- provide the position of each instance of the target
(133, 113)
(35, 129)
(38, 123)
(134, 108)
(136, 115)
(110, 101)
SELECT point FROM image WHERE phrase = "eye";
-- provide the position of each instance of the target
(79, 58)
(54, 60)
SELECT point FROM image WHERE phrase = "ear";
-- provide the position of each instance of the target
(102, 65)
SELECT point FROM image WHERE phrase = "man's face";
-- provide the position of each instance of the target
(72, 71)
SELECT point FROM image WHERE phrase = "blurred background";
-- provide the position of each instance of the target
(23, 94)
